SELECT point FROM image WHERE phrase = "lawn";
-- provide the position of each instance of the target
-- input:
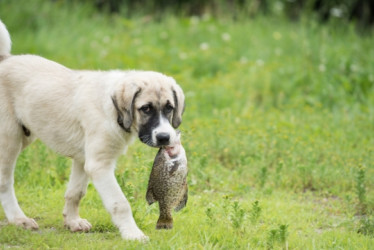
(278, 130)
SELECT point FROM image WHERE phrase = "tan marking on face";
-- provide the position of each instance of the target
(157, 90)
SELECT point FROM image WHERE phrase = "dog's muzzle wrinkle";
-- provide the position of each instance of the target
(147, 140)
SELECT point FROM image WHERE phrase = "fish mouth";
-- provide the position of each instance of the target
(171, 151)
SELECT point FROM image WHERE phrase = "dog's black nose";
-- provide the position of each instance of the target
(163, 138)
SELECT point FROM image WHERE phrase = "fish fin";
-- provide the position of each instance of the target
(149, 196)
(183, 202)
(174, 167)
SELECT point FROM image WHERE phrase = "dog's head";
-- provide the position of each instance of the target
(151, 104)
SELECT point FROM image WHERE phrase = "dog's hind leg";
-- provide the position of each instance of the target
(76, 190)
(11, 143)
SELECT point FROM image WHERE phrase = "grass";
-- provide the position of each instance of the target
(278, 130)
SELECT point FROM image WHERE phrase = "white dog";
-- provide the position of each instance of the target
(89, 116)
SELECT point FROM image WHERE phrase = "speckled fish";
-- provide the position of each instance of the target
(167, 183)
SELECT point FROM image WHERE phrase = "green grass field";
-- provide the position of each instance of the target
(278, 130)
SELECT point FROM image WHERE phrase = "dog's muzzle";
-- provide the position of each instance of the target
(163, 139)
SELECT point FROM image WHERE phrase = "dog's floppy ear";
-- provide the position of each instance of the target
(124, 101)
(179, 105)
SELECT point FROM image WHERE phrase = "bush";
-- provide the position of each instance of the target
(360, 11)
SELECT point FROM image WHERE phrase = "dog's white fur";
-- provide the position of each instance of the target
(73, 113)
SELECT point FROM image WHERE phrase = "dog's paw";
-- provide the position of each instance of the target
(78, 225)
(134, 235)
(26, 223)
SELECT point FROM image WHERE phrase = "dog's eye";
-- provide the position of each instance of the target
(146, 108)
(168, 108)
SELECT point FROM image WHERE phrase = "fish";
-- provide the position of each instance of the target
(167, 183)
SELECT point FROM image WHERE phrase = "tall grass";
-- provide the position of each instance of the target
(278, 117)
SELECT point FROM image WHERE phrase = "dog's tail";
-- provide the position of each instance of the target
(5, 42)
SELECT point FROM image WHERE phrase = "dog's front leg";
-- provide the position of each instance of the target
(103, 178)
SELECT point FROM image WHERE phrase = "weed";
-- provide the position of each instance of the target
(272, 237)
(361, 190)
(226, 203)
(307, 178)
(278, 172)
(210, 215)
(366, 226)
(283, 233)
(43, 155)
(277, 236)
(255, 212)
(61, 167)
(237, 215)
(129, 191)
(23, 165)
(263, 176)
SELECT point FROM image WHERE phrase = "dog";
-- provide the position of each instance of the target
(89, 116)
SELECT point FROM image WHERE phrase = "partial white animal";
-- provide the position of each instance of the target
(90, 116)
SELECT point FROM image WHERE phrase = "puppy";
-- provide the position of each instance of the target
(89, 116)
